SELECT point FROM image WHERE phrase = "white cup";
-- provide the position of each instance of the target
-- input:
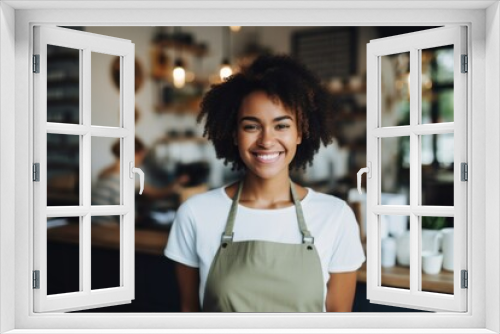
(403, 249)
(431, 240)
(432, 262)
(448, 248)
(388, 249)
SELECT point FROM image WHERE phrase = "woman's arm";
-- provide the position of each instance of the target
(341, 290)
(188, 279)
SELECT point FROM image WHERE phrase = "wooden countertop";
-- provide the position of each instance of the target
(107, 236)
(399, 277)
(153, 242)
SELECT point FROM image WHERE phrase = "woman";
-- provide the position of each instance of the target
(265, 244)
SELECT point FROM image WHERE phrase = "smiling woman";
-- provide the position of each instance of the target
(266, 244)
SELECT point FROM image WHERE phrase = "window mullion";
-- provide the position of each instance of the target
(85, 167)
(415, 97)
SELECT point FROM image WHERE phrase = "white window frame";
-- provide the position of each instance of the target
(86, 43)
(414, 43)
(483, 21)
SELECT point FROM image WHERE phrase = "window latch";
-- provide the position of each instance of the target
(368, 171)
(134, 170)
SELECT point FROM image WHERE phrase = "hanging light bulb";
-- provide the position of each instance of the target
(225, 69)
(235, 28)
(179, 74)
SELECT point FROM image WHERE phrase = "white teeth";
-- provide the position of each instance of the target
(268, 156)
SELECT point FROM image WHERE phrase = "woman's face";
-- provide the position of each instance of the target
(267, 135)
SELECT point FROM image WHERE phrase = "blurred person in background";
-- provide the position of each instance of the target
(106, 190)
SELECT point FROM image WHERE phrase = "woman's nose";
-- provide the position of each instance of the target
(266, 138)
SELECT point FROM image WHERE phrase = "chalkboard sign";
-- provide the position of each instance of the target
(327, 51)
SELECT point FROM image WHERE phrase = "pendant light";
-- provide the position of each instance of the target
(179, 72)
(225, 67)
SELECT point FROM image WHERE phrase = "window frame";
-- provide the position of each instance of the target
(485, 237)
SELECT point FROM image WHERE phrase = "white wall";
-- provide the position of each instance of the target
(491, 166)
(7, 167)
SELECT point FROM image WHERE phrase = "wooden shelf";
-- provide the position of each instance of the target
(196, 50)
(181, 139)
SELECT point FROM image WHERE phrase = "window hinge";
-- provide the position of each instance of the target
(36, 172)
(36, 63)
(464, 171)
(465, 64)
(36, 279)
(465, 279)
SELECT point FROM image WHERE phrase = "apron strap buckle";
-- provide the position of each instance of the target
(308, 240)
(227, 238)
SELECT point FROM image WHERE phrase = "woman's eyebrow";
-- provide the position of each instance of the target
(255, 119)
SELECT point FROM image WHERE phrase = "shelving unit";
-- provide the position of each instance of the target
(63, 106)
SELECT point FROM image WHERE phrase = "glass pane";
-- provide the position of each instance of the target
(105, 90)
(105, 252)
(63, 170)
(63, 85)
(437, 84)
(395, 89)
(63, 255)
(395, 251)
(437, 169)
(395, 170)
(106, 179)
(436, 245)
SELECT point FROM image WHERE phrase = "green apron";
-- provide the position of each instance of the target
(263, 276)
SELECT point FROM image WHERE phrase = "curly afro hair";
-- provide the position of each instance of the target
(282, 78)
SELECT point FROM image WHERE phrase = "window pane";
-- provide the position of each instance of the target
(106, 179)
(395, 89)
(63, 170)
(63, 255)
(395, 170)
(105, 256)
(105, 102)
(436, 247)
(395, 251)
(63, 85)
(437, 84)
(437, 169)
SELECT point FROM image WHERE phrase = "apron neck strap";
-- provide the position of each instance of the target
(227, 236)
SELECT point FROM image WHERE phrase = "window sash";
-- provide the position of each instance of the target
(413, 43)
(87, 43)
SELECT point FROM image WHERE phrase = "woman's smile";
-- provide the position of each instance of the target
(268, 157)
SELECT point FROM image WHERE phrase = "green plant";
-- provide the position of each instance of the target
(433, 223)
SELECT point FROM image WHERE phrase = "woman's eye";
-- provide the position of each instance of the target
(250, 127)
(282, 126)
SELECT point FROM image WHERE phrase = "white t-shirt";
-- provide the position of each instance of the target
(200, 221)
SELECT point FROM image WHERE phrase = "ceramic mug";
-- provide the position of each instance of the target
(403, 249)
(431, 240)
(432, 262)
(388, 249)
(448, 248)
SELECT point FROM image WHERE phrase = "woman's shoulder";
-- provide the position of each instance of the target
(207, 199)
(324, 200)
